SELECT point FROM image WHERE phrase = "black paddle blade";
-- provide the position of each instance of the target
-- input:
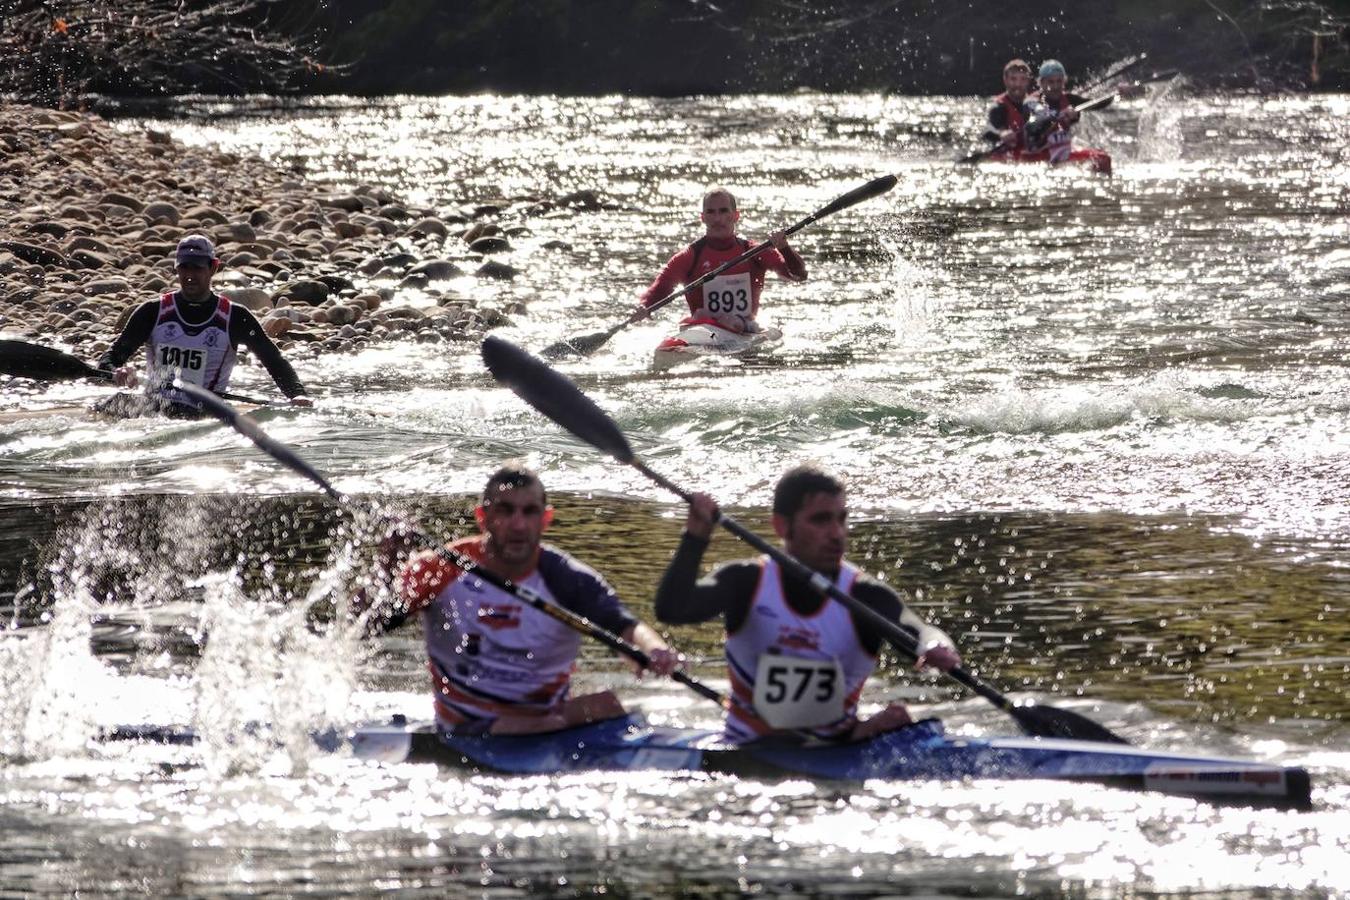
(874, 188)
(26, 360)
(577, 346)
(554, 395)
(249, 429)
(1049, 722)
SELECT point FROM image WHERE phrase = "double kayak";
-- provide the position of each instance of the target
(700, 337)
(1098, 161)
(919, 752)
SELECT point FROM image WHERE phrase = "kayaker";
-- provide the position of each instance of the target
(497, 665)
(796, 660)
(1053, 114)
(732, 298)
(1009, 115)
(191, 333)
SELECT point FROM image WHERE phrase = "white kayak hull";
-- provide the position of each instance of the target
(702, 337)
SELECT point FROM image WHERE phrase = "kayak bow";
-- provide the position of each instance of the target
(704, 337)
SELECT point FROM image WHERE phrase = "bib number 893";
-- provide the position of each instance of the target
(731, 300)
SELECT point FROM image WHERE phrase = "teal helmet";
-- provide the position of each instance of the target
(1052, 67)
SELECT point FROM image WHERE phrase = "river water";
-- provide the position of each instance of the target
(1095, 428)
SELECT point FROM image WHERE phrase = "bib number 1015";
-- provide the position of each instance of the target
(181, 358)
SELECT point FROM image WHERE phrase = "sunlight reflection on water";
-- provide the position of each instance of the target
(1096, 428)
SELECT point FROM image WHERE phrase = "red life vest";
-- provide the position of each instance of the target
(1017, 122)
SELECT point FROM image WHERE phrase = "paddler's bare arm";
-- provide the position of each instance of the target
(937, 650)
(663, 659)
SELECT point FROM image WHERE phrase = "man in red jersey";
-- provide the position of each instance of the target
(731, 300)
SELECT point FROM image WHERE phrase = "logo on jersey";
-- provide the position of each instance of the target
(170, 331)
(211, 339)
(499, 617)
(790, 638)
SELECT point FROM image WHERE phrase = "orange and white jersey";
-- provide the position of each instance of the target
(790, 670)
(489, 652)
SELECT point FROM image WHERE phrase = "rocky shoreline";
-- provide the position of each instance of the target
(90, 216)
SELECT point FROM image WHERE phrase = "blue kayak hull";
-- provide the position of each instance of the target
(918, 752)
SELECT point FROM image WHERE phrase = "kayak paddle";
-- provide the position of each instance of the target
(283, 454)
(589, 343)
(24, 360)
(558, 398)
(1113, 74)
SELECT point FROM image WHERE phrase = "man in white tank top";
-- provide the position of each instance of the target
(192, 334)
(796, 660)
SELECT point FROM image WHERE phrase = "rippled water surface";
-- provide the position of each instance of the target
(1096, 428)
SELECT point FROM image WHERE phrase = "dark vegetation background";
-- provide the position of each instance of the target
(58, 51)
(905, 46)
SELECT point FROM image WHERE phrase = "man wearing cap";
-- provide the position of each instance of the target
(1053, 113)
(190, 334)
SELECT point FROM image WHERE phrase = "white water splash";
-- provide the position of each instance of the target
(1159, 137)
(51, 674)
(266, 682)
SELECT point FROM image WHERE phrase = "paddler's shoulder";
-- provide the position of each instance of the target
(563, 572)
(740, 571)
(472, 546)
(877, 594)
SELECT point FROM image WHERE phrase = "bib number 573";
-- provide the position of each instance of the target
(791, 692)
(799, 681)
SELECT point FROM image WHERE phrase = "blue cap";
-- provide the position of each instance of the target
(1052, 67)
(194, 249)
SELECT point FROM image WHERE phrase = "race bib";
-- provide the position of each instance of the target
(1060, 145)
(187, 363)
(728, 295)
(798, 693)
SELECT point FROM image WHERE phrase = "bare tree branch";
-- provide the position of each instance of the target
(58, 51)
